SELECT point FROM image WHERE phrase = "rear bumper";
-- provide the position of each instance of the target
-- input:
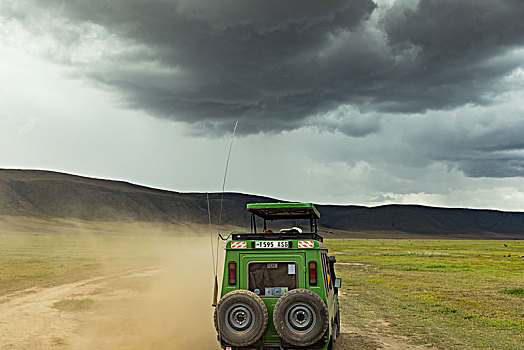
(273, 346)
(277, 347)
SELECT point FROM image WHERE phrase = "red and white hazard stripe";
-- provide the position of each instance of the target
(237, 245)
(306, 244)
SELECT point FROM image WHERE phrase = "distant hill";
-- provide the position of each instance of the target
(57, 195)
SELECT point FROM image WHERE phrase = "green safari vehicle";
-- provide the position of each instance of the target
(279, 289)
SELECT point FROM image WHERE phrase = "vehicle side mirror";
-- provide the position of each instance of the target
(338, 282)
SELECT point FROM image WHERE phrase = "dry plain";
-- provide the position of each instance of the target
(69, 284)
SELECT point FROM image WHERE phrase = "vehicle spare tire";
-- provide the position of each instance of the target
(240, 318)
(301, 317)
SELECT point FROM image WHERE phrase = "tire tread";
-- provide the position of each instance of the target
(240, 294)
(279, 314)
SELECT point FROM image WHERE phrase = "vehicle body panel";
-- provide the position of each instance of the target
(301, 256)
(291, 247)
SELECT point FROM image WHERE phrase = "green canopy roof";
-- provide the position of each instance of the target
(276, 211)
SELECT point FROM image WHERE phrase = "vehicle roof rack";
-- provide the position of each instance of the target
(280, 211)
(276, 236)
(283, 211)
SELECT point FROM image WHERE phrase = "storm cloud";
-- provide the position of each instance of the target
(273, 64)
(355, 67)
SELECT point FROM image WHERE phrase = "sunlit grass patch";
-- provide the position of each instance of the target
(408, 253)
(73, 305)
(448, 310)
(99, 290)
(441, 266)
(514, 291)
(58, 341)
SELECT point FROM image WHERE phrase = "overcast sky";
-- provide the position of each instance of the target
(346, 102)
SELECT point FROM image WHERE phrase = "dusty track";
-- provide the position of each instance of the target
(356, 339)
(29, 320)
(126, 311)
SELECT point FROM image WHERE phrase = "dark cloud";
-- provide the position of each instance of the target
(348, 121)
(484, 142)
(456, 42)
(456, 31)
(274, 64)
(249, 60)
(340, 65)
(499, 167)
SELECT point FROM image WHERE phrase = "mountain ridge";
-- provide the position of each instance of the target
(42, 193)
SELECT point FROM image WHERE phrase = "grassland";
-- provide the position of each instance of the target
(446, 294)
(44, 260)
(442, 293)
(46, 252)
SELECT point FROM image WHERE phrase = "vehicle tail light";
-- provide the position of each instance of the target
(232, 268)
(312, 273)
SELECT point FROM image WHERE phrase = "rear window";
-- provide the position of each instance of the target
(272, 278)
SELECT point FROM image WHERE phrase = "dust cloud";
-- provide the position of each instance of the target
(146, 292)
(168, 307)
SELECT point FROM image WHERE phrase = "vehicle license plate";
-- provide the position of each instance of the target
(272, 244)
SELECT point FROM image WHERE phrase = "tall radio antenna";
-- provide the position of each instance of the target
(225, 176)
(215, 290)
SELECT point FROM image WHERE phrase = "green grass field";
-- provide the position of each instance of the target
(44, 260)
(443, 293)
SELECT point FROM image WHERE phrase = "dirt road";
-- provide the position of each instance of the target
(356, 339)
(135, 309)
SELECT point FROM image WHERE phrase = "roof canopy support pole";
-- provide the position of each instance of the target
(313, 223)
(253, 224)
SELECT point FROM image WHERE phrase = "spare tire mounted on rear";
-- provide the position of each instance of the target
(241, 318)
(301, 317)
